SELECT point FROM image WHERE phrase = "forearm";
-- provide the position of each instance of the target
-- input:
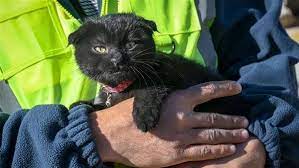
(98, 123)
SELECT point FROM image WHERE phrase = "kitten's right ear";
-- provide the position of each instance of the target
(75, 37)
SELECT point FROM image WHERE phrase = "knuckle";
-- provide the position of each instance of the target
(212, 135)
(238, 121)
(223, 149)
(212, 118)
(204, 151)
(236, 133)
(232, 87)
(235, 120)
(179, 153)
(183, 154)
(228, 86)
(181, 117)
(219, 151)
(210, 89)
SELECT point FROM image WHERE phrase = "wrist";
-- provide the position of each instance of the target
(97, 124)
(111, 131)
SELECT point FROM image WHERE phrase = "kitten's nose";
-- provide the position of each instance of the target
(117, 59)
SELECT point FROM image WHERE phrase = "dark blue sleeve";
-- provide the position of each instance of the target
(48, 136)
(254, 49)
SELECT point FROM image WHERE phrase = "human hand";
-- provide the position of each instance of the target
(249, 154)
(179, 136)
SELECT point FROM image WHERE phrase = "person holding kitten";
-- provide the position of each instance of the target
(257, 55)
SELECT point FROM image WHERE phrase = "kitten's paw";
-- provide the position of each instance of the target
(146, 118)
(147, 105)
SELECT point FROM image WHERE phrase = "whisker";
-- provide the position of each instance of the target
(155, 88)
(134, 71)
(141, 76)
(152, 71)
(165, 63)
(141, 62)
(142, 52)
(154, 83)
(150, 62)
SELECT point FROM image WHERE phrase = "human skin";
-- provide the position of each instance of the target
(249, 154)
(181, 135)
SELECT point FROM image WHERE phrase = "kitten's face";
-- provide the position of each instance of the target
(108, 49)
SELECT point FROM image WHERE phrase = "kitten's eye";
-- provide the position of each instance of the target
(101, 49)
(130, 45)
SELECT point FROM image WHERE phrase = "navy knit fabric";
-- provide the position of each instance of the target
(48, 136)
(254, 49)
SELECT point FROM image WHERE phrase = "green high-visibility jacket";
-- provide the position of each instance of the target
(38, 64)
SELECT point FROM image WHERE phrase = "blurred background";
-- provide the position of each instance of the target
(290, 18)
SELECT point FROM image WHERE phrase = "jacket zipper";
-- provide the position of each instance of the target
(103, 7)
(65, 10)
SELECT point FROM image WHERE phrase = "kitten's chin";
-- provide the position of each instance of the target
(115, 78)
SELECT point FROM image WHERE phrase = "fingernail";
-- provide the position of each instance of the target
(239, 86)
(245, 134)
(233, 148)
(245, 123)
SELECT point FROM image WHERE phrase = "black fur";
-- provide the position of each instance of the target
(131, 55)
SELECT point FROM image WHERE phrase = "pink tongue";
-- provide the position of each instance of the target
(120, 87)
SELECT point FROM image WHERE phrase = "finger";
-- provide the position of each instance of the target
(207, 152)
(214, 120)
(202, 93)
(215, 136)
(245, 156)
(199, 164)
(188, 165)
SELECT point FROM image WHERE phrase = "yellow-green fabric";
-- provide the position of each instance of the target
(39, 66)
(34, 57)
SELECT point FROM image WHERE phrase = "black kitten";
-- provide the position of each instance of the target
(118, 51)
